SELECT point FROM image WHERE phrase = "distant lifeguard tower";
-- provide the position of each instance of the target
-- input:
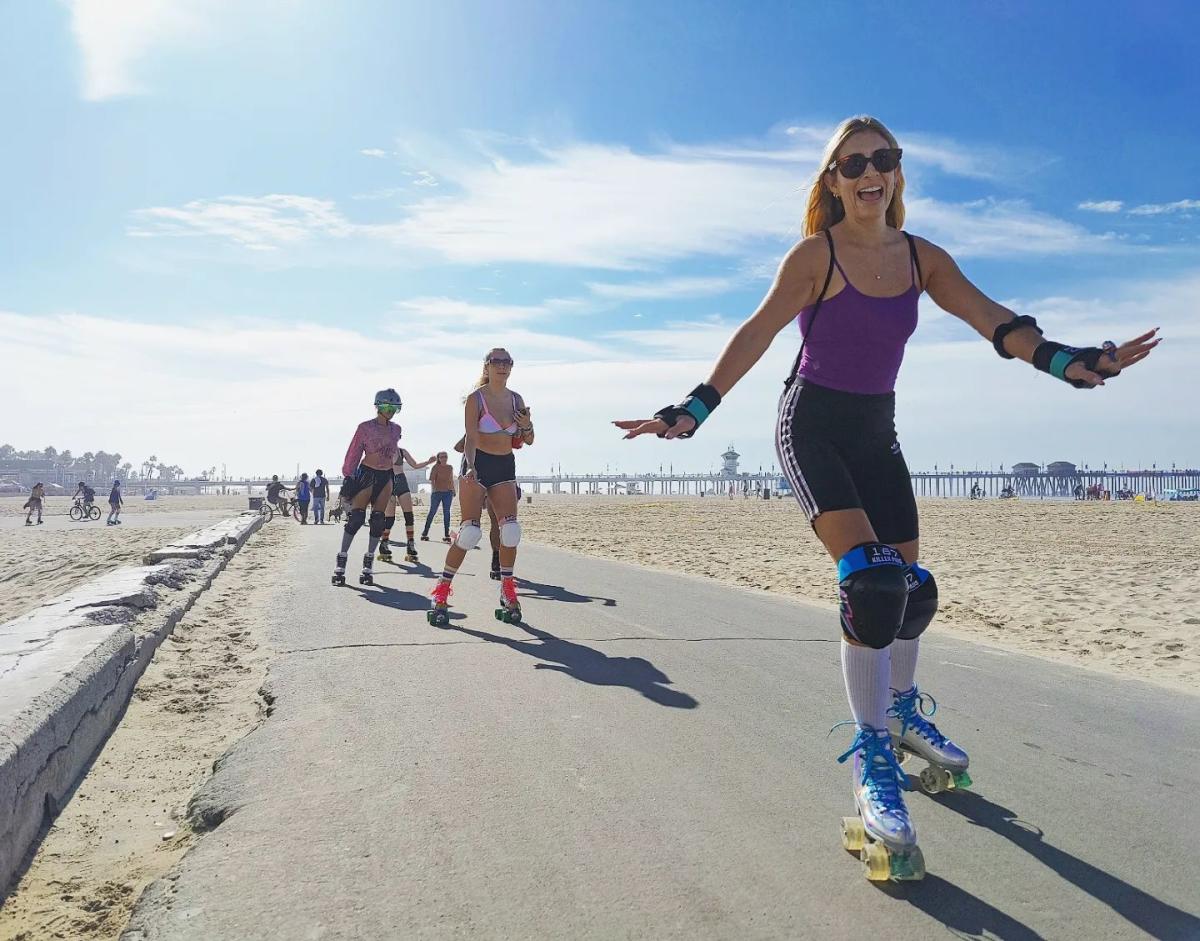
(729, 466)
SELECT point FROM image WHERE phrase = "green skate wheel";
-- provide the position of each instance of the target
(961, 780)
(875, 861)
(908, 867)
(854, 834)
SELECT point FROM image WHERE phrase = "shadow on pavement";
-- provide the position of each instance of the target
(559, 593)
(960, 911)
(394, 598)
(591, 666)
(1157, 918)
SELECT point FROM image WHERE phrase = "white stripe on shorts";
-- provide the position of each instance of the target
(786, 450)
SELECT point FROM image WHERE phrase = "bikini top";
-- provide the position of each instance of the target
(487, 422)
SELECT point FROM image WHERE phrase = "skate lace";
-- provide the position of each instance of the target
(508, 589)
(442, 592)
(882, 775)
(911, 708)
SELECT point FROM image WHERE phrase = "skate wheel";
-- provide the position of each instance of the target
(935, 780)
(961, 780)
(908, 867)
(875, 861)
(854, 834)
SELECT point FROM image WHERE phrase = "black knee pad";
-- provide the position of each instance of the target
(388, 522)
(355, 520)
(873, 594)
(922, 602)
(408, 517)
(378, 521)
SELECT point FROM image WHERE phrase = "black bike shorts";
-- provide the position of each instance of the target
(377, 481)
(492, 469)
(839, 451)
(400, 485)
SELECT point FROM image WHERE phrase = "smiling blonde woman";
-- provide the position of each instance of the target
(855, 281)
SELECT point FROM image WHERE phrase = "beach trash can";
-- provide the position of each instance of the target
(256, 503)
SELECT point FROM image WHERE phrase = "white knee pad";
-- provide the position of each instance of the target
(510, 533)
(469, 535)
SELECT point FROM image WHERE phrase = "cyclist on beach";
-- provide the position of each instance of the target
(497, 420)
(367, 481)
(855, 280)
(89, 497)
(274, 494)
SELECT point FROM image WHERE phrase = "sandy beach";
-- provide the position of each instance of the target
(39, 562)
(1111, 586)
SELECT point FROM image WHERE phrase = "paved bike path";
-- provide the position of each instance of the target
(649, 758)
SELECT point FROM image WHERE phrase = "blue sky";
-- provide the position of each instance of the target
(228, 223)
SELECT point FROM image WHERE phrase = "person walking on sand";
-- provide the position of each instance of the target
(37, 496)
(402, 499)
(320, 493)
(114, 504)
(367, 481)
(441, 482)
(855, 280)
(497, 420)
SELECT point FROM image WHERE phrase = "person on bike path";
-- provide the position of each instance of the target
(320, 493)
(303, 496)
(114, 504)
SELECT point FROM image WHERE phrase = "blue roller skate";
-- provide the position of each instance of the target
(914, 734)
(881, 833)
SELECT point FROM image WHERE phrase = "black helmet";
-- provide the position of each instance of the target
(389, 397)
(274, 476)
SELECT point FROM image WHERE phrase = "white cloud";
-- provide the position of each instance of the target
(263, 396)
(115, 36)
(665, 288)
(1158, 209)
(608, 207)
(999, 228)
(373, 152)
(1104, 205)
(263, 223)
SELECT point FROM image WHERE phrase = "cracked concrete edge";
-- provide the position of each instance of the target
(47, 742)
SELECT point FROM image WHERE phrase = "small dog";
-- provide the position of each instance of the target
(336, 515)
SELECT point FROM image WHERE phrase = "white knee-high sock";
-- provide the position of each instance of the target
(867, 672)
(904, 663)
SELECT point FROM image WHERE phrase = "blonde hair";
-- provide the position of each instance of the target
(824, 209)
(483, 376)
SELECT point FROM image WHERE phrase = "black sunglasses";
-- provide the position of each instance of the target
(853, 166)
(499, 361)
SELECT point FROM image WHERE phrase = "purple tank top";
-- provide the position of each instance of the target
(858, 343)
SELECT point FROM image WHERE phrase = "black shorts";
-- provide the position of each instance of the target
(399, 485)
(377, 481)
(492, 469)
(839, 451)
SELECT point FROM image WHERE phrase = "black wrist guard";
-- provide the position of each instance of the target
(1054, 358)
(698, 405)
(1005, 329)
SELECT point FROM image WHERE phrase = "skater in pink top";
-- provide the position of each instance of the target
(367, 480)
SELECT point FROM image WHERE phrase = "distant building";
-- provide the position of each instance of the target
(1061, 469)
(729, 466)
(1025, 469)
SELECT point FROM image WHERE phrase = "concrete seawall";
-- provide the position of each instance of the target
(68, 668)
